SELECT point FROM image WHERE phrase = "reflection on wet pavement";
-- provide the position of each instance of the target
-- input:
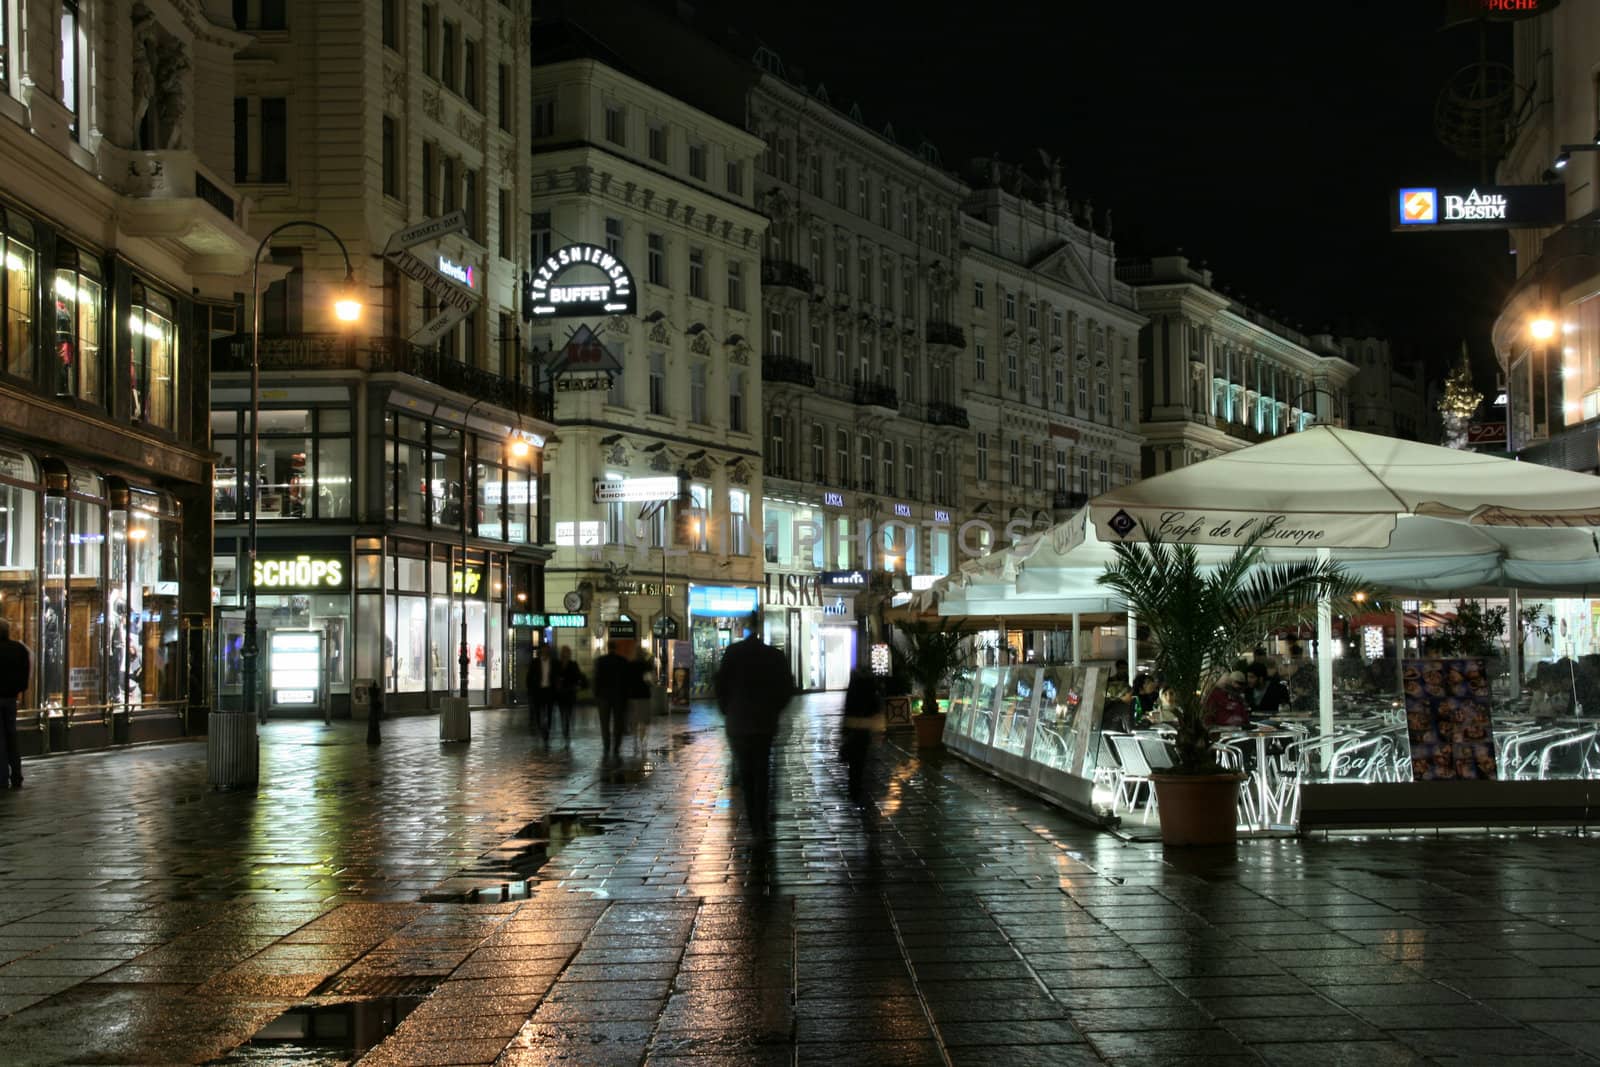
(504, 902)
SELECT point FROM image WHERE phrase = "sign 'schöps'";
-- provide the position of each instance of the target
(299, 572)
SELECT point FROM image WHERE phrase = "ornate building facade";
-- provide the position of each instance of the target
(121, 240)
(669, 191)
(1217, 375)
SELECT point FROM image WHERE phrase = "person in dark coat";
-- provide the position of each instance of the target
(1266, 693)
(541, 690)
(1117, 713)
(611, 680)
(753, 687)
(569, 679)
(641, 683)
(863, 721)
(16, 665)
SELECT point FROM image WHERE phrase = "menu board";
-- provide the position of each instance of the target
(1447, 719)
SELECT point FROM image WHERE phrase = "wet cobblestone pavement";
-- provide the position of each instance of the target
(331, 917)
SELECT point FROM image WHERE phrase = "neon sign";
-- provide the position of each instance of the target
(613, 294)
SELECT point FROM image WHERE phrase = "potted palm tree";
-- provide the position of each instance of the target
(928, 653)
(1200, 619)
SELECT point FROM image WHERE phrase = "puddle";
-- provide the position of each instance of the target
(508, 871)
(323, 1035)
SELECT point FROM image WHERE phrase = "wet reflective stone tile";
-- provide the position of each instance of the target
(1341, 1054)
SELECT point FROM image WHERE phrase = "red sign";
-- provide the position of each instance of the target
(1486, 433)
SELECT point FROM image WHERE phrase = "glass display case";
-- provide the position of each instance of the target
(1035, 725)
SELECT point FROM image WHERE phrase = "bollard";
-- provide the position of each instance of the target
(455, 721)
(374, 713)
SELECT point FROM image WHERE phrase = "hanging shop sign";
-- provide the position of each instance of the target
(723, 600)
(564, 284)
(584, 385)
(836, 607)
(629, 587)
(1419, 209)
(1486, 433)
(792, 591)
(622, 628)
(843, 579)
(615, 490)
(300, 572)
(583, 353)
(665, 627)
(466, 581)
(902, 511)
(833, 500)
(940, 515)
(538, 620)
(458, 272)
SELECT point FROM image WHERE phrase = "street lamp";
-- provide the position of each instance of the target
(346, 308)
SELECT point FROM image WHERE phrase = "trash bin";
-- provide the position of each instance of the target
(455, 720)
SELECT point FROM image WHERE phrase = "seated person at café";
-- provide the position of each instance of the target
(1227, 706)
(1267, 694)
(1117, 713)
(1145, 699)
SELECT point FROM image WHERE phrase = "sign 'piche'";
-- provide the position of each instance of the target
(549, 294)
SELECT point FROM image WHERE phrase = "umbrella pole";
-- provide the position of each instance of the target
(1399, 646)
(1077, 653)
(1325, 653)
(1133, 644)
(1514, 645)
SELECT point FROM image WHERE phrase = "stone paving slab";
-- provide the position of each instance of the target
(145, 919)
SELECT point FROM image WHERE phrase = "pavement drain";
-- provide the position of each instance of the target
(509, 870)
(323, 1034)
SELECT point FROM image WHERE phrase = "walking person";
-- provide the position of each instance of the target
(568, 680)
(16, 664)
(641, 690)
(541, 691)
(611, 680)
(863, 722)
(753, 686)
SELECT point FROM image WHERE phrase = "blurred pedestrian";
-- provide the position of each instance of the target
(1116, 715)
(863, 722)
(16, 664)
(611, 679)
(753, 686)
(641, 687)
(569, 679)
(541, 691)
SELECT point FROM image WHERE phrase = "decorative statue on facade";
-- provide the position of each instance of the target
(172, 76)
(143, 45)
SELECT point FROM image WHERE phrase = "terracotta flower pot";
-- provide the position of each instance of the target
(930, 730)
(1198, 809)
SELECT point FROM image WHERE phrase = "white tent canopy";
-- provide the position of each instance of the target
(1402, 515)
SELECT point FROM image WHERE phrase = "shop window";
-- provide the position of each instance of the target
(154, 363)
(446, 493)
(19, 539)
(225, 481)
(78, 326)
(489, 478)
(407, 483)
(17, 265)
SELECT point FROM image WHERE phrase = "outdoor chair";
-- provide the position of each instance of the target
(1135, 772)
(1571, 753)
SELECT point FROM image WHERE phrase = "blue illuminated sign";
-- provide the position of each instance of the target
(723, 600)
(1419, 207)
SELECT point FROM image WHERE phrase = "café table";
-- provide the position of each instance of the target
(1262, 773)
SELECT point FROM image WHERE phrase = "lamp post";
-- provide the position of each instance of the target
(231, 752)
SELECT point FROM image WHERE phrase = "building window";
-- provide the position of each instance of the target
(71, 62)
(1033, 315)
(1055, 324)
(739, 521)
(841, 450)
(938, 478)
(430, 23)
(735, 285)
(78, 331)
(862, 207)
(1083, 475)
(658, 143)
(980, 361)
(977, 295)
(304, 462)
(541, 236)
(736, 401)
(1037, 470)
(697, 273)
(1060, 384)
(469, 74)
(544, 116)
(814, 174)
(469, 201)
(658, 383)
(841, 182)
(1105, 476)
(1061, 470)
(841, 370)
(775, 457)
(430, 181)
(1011, 368)
(503, 101)
(274, 139)
(697, 392)
(883, 207)
(864, 455)
(1015, 456)
(390, 157)
(614, 236)
(449, 45)
(616, 124)
(819, 454)
(1083, 395)
(391, 24)
(656, 259)
(1011, 307)
(982, 454)
(908, 456)
(17, 266)
(735, 178)
(697, 162)
(503, 213)
(887, 453)
(153, 364)
(1034, 386)
(1127, 406)
(1101, 407)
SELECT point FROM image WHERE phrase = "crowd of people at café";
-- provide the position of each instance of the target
(1260, 688)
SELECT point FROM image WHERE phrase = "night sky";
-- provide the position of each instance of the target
(1265, 139)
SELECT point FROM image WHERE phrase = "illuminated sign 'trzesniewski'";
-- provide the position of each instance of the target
(614, 295)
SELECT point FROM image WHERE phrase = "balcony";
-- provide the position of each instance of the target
(1239, 431)
(946, 415)
(786, 370)
(789, 275)
(379, 355)
(875, 394)
(946, 333)
(170, 195)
